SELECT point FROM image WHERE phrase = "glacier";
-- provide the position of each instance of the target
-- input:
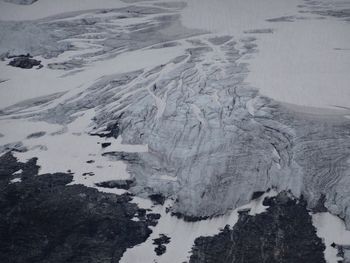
(180, 103)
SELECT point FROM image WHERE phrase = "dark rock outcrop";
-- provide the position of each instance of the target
(160, 242)
(36, 135)
(42, 219)
(320, 207)
(152, 219)
(105, 144)
(283, 234)
(123, 156)
(24, 61)
(119, 184)
(187, 218)
(257, 194)
(21, 2)
(157, 199)
(113, 129)
(344, 252)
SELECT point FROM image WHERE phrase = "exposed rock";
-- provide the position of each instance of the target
(36, 135)
(340, 10)
(282, 19)
(259, 31)
(163, 239)
(188, 218)
(15, 146)
(345, 13)
(319, 208)
(113, 129)
(67, 65)
(8, 166)
(344, 252)
(152, 219)
(105, 144)
(119, 184)
(42, 219)
(88, 174)
(21, 2)
(257, 194)
(160, 249)
(157, 199)
(25, 62)
(123, 156)
(141, 212)
(284, 233)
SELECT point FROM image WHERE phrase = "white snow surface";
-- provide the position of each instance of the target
(332, 230)
(300, 62)
(18, 172)
(45, 8)
(69, 149)
(15, 180)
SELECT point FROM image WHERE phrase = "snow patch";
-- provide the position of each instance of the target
(73, 150)
(18, 172)
(16, 180)
(332, 230)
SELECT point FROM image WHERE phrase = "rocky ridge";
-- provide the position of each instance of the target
(42, 219)
(284, 233)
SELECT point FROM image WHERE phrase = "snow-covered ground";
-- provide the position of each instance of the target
(304, 62)
(69, 148)
(308, 63)
(332, 230)
(308, 56)
(45, 8)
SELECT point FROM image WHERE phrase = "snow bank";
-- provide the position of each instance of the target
(332, 230)
(45, 8)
